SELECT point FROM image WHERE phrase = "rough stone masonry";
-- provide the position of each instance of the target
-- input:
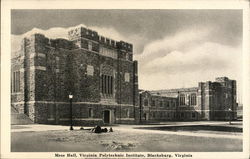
(98, 71)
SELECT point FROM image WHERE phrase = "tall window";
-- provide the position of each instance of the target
(182, 115)
(153, 103)
(182, 99)
(15, 81)
(107, 84)
(193, 115)
(145, 102)
(167, 103)
(160, 103)
(51, 111)
(127, 112)
(173, 103)
(193, 99)
(90, 112)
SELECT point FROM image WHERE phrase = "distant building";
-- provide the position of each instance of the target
(209, 101)
(239, 111)
(98, 71)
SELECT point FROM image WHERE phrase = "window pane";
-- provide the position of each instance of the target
(104, 83)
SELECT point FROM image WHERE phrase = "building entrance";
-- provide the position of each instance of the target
(106, 116)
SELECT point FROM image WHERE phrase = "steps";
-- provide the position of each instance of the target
(19, 118)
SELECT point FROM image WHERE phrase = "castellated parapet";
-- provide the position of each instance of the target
(101, 75)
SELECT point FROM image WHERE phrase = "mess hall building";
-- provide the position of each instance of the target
(209, 101)
(99, 72)
(102, 76)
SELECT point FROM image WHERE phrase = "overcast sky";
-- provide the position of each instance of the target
(174, 48)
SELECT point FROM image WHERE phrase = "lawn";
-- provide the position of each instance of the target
(119, 140)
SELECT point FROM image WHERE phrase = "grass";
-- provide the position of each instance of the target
(134, 141)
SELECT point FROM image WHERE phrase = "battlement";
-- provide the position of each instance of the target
(88, 34)
(40, 41)
(221, 79)
(125, 46)
(82, 32)
(82, 38)
(110, 43)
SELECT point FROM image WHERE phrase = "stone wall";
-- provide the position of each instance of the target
(54, 68)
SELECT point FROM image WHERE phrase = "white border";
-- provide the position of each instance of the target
(7, 5)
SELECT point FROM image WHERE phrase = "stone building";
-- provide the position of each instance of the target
(99, 72)
(156, 107)
(209, 101)
(102, 76)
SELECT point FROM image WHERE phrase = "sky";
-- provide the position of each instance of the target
(174, 48)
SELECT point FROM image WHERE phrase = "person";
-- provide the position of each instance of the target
(97, 129)
(110, 129)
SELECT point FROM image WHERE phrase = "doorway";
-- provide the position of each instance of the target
(106, 116)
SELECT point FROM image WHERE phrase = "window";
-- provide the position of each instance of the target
(16, 81)
(193, 115)
(167, 103)
(160, 103)
(153, 103)
(82, 112)
(168, 115)
(90, 112)
(127, 112)
(127, 56)
(51, 111)
(182, 99)
(173, 103)
(182, 115)
(193, 99)
(126, 76)
(226, 95)
(145, 102)
(107, 84)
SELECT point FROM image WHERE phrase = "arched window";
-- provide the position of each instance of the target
(193, 99)
(182, 99)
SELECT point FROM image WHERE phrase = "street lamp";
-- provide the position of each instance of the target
(70, 101)
(230, 112)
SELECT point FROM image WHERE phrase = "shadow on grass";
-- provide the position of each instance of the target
(195, 128)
